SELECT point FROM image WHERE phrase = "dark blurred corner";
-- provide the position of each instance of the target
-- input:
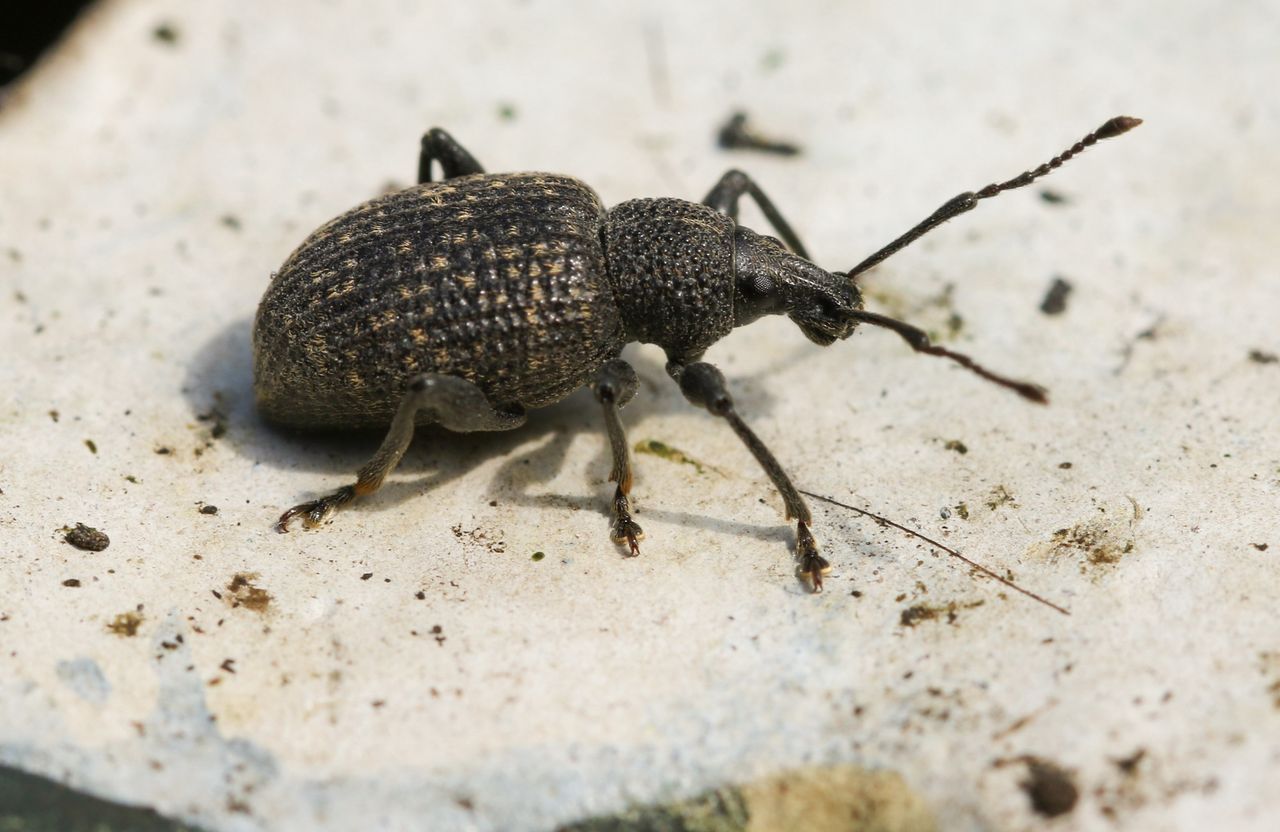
(28, 29)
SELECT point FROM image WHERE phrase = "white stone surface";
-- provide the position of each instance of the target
(585, 682)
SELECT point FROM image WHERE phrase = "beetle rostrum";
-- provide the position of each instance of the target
(468, 301)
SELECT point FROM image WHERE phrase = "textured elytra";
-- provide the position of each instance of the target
(498, 279)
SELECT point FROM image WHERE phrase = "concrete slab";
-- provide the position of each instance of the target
(417, 665)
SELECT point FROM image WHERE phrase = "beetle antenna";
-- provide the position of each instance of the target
(967, 201)
(919, 341)
(884, 521)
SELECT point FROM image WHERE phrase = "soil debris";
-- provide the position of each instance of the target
(654, 447)
(86, 538)
(917, 613)
(1000, 496)
(734, 134)
(1055, 300)
(1051, 788)
(125, 624)
(245, 593)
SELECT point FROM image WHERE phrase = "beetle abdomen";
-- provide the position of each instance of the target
(498, 279)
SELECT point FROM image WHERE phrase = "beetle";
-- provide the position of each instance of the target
(468, 301)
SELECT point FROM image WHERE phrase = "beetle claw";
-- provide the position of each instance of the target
(626, 530)
(316, 512)
(812, 565)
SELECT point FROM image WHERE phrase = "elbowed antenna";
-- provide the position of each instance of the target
(920, 342)
(954, 207)
(968, 200)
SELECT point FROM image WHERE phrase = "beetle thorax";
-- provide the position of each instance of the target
(670, 264)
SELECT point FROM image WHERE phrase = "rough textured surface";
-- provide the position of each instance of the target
(417, 664)
(692, 246)
(499, 279)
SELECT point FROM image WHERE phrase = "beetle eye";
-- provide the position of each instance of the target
(762, 285)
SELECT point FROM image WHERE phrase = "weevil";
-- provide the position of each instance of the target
(466, 302)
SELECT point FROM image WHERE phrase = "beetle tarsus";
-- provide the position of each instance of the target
(812, 565)
(315, 512)
(624, 528)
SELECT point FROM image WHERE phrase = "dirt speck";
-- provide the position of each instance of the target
(165, 33)
(1051, 788)
(207, 509)
(243, 592)
(1261, 547)
(962, 509)
(1000, 496)
(1055, 299)
(654, 447)
(71, 582)
(1052, 197)
(1270, 663)
(91, 445)
(957, 446)
(1097, 543)
(87, 538)
(490, 541)
(1128, 765)
(1261, 357)
(537, 556)
(125, 624)
(950, 612)
(734, 134)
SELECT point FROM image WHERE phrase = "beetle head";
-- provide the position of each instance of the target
(772, 280)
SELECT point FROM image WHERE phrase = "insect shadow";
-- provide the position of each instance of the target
(219, 390)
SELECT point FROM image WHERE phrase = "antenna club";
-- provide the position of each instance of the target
(1116, 126)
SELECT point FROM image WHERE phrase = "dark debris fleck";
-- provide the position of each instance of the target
(1055, 300)
(1051, 789)
(87, 538)
(736, 135)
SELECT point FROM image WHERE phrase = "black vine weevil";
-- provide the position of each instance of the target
(466, 302)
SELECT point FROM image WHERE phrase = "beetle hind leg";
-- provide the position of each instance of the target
(449, 401)
(613, 388)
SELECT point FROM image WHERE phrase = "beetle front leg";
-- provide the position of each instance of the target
(614, 387)
(728, 191)
(452, 402)
(705, 386)
(439, 146)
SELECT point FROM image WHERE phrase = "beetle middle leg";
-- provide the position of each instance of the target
(613, 388)
(449, 401)
(728, 191)
(439, 146)
(705, 386)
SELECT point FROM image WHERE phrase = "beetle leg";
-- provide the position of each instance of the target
(614, 387)
(705, 386)
(726, 193)
(452, 402)
(439, 146)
